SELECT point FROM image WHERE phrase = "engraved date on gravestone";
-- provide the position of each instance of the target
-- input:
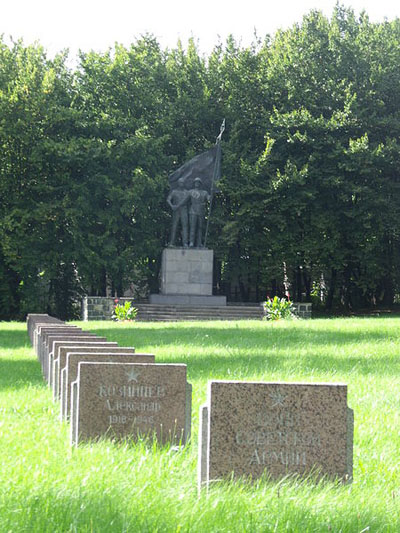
(130, 400)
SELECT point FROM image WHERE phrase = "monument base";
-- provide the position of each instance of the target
(187, 299)
(187, 271)
(187, 279)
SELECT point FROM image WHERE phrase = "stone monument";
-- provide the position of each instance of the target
(187, 266)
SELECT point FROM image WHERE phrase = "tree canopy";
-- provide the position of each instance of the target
(309, 199)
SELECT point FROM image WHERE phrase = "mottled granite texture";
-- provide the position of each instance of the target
(51, 340)
(103, 355)
(59, 355)
(120, 401)
(251, 429)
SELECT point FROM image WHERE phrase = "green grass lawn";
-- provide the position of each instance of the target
(47, 486)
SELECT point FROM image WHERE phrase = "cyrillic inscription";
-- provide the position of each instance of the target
(261, 437)
(113, 394)
(285, 458)
(293, 442)
(131, 391)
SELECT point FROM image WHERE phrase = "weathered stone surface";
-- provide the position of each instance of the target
(42, 326)
(129, 400)
(187, 271)
(251, 429)
(60, 356)
(50, 338)
(104, 355)
(41, 337)
(36, 318)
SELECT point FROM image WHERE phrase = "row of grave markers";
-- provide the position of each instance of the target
(247, 429)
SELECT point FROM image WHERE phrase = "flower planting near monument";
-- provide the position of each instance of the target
(47, 485)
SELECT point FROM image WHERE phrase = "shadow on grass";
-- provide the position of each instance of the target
(208, 336)
(16, 374)
(264, 346)
(267, 365)
(12, 338)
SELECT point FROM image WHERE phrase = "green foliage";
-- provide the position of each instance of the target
(310, 164)
(124, 312)
(278, 308)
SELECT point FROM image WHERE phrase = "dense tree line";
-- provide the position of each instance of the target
(309, 199)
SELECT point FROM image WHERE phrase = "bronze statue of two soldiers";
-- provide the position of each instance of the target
(190, 193)
(189, 209)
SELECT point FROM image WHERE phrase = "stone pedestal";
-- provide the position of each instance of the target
(187, 278)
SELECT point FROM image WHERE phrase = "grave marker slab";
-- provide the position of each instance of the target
(130, 400)
(50, 338)
(54, 340)
(69, 373)
(42, 330)
(250, 429)
(60, 356)
(34, 318)
(41, 341)
(38, 332)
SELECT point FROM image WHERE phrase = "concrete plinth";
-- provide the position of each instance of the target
(187, 299)
(187, 279)
(187, 271)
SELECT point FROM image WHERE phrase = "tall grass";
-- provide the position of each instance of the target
(47, 486)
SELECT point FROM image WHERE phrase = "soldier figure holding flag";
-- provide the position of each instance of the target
(189, 190)
(197, 212)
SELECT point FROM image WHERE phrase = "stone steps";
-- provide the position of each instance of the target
(162, 313)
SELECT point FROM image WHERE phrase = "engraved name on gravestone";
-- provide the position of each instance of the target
(70, 372)
(131, 400)
(251, 429)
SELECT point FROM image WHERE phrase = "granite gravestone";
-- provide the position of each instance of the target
(51, 340)
(59, 355)
(69, 373)
(40, 328)
(41, 348)
(131, 401)
(33, 319)
(275, 429)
